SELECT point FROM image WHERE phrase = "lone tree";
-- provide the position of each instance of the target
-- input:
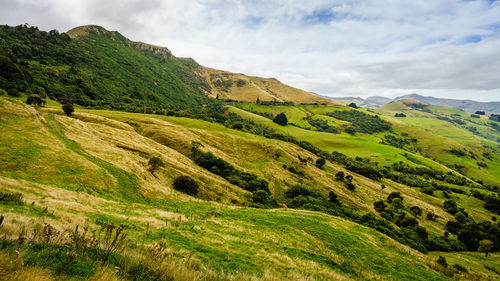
(339, 176)
(68, 109)
(258, 101)
(281, 119)
(485, 246)
(155, 163)
(320, 162)
(353, 105)
(186, 184)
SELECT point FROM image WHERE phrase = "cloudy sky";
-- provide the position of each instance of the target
(443, 48)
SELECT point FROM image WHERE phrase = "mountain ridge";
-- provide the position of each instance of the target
(466, 105)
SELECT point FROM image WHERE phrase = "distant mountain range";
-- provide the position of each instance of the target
(466, 105)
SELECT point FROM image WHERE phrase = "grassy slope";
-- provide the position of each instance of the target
(435, 137)
(271, 244)
(248, 88)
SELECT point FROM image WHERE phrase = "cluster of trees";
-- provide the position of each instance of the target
(399, 115)
(322, 125)
(495, 117)
(427, 173)
(470, 233)
(396, 142)
(362, 122)
(394, 210)
(245, 180)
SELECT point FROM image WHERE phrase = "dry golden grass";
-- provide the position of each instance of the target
(266, 89)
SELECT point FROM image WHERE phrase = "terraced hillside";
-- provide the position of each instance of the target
(93, 170)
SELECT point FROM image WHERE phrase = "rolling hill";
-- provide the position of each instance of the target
(167, 170)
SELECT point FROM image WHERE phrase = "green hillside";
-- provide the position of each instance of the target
(151, 179)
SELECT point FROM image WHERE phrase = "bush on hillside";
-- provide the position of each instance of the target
(450, 206)
(8, 198)
(186, 184)
(155, 163)
(399, 115)
(68, 109)
(320, 162)
(281, 119)
(262, 199)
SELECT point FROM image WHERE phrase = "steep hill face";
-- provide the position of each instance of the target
(92, 66)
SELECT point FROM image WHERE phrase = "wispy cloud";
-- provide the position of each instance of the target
(373, 47)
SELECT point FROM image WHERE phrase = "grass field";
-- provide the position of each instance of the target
(91, 169)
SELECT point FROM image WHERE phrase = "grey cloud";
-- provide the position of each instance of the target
(374, 47)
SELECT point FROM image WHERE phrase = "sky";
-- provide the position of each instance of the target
(443, 48)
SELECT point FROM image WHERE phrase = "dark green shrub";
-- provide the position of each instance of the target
(349, 185)
(453, 227)
(379, 206)
(442, 261)
(353, 105)
(333, 197)
(3, 92)
(320, 162)
(35, 100)
(262, 199)
(431, 216)
(339, 176)
(281, 119)
(450, 206)
(68, 109)
(492, 204)
(393, 195)
(460, 268)
(416, 211)
(8, 198)
(186, 184)
(406, 222)
(155, 163)
(400, 115)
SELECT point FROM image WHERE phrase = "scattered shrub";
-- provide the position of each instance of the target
(155, 163)
(450, 206)
(339, 176)
(416, 211)
(281, 119)
(320, 162)
(68, 109)
(186, 184)
(332, 197)
(8, 198)
(442, 261)
(400, 115)
(262, 199)
(349, 185)
(394, 195)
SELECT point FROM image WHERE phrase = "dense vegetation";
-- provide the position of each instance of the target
(362, 122)
(103, 69)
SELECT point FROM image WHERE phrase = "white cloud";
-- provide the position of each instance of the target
(444, 47)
